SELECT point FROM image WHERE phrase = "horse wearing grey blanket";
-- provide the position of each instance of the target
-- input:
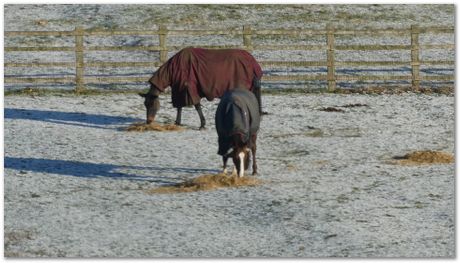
(237, 123)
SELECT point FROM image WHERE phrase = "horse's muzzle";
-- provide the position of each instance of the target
(150, 120)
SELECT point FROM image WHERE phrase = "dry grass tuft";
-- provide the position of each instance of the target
(424, 157)
(41, 22)
(206, 182)
(142, 127)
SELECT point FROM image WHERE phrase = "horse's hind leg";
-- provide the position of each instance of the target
(254, 149)
(200, 113)
(178, 116)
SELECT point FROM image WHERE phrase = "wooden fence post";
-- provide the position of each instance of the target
(79, 57)
(163, 31)
(247, 38)
(330, 59)
(415, 57)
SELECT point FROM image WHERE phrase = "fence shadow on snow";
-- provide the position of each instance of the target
(69, 118)
(101, 170)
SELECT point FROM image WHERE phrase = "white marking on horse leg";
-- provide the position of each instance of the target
(224, 171)
(241, 156)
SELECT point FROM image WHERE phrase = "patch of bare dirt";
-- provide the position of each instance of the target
(424, 157)
(142, 127)
(207, 182)
(331, 109)
(353, 105)
(14, 238)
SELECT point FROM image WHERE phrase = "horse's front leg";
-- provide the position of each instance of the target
(224, 160)
(200, 113)
(178, 116)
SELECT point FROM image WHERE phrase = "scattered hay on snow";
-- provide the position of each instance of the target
(424, 157)
(206, 182)
(141, 127)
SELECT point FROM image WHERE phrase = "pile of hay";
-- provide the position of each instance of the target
(424, 157)
(142, 126)
(206, 182)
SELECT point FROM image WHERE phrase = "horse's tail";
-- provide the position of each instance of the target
(256, 89)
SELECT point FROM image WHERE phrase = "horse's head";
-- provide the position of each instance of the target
(152, 103)
(240, 155)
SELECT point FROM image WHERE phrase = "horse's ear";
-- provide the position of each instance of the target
(142, 95)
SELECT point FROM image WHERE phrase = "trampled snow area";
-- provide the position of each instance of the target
(76, 183)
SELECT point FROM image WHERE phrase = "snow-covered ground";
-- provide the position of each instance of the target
(76, 184)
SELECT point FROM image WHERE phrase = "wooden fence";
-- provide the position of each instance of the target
(247, 33)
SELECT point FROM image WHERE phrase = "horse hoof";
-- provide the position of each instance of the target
(202, 128)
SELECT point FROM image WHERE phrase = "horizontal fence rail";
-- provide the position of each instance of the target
(247, 35)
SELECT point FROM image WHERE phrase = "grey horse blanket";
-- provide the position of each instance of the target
(195, 73)
(237, 113)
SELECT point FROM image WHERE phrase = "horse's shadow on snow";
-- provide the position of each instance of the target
(100, 170)
(69, 118)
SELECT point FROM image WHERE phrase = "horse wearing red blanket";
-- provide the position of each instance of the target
(195, 73)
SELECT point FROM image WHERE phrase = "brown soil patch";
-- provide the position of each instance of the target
(424, 157)
(206, 182)
(142, 127)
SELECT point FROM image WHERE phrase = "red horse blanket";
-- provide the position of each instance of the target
(194, 73)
